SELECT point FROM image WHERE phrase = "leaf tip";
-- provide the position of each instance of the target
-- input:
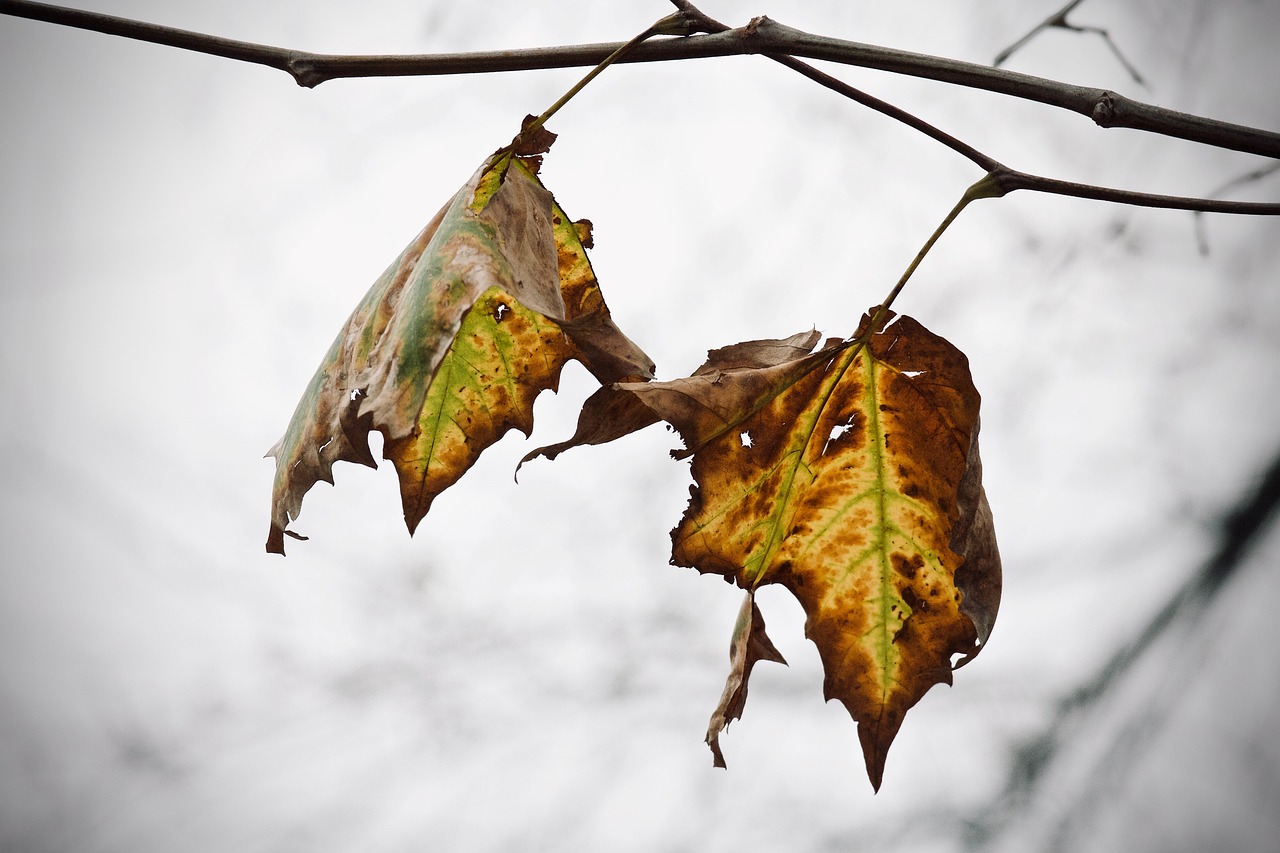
(275, 540)
(717, 757)
(876, 736)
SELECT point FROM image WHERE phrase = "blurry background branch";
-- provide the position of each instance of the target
(1250, 177)
(1107, 109)
(1240, 530)
(1058, 20)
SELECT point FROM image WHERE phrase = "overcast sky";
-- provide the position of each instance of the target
(182, 236)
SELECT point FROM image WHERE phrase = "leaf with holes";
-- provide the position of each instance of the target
(851, 476)
(452, 344)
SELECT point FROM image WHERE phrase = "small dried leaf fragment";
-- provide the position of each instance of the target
(749, 644)
(452, 344)
(851, 476)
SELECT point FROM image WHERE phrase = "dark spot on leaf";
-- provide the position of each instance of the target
(914, 601)
(907, 567)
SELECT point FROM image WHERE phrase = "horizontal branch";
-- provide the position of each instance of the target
(1009, 180)
(761, 36)
(999, 176)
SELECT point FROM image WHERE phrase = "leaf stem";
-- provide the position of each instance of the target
(677, 23)
(988, 187)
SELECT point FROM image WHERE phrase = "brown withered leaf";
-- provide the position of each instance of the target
(850, 475)
(620, 409)
(450, 347)
(749, 644)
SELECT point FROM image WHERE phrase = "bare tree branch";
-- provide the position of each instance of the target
(1008, 180)
(1107, 109)
(1011, 179)
(1252, 176)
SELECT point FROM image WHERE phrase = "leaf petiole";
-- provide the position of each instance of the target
(988, 187)
(675, 24)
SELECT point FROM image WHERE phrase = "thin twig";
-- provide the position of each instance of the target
(1252, 176)
(708, 24)
(1107, 109)
(1011, 179)
(1058, 20)
(1003, 178)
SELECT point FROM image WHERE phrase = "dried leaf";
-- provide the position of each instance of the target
(749, 644)
(450, 347)
(852, 477)
(621, 409)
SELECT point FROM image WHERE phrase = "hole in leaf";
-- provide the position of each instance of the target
(500, 311)
(745, 438)
(837, 431)
(912, 373)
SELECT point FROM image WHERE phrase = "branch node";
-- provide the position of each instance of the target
(305, 70)
(1104, 111)
(751, 33)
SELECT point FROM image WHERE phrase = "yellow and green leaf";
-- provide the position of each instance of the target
(851, 476)
(449, 348)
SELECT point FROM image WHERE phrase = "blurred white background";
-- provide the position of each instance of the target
(183, 235)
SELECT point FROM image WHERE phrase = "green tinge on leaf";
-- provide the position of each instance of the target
(502, 357)
(450, 346)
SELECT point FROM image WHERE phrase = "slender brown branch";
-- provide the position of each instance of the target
(1202, 239)
(1000, 178)
(1011, 179)
(1107, 109)
(760, 36)
(708, 24)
